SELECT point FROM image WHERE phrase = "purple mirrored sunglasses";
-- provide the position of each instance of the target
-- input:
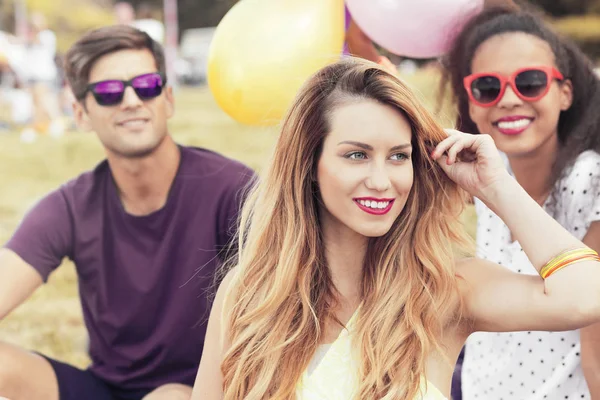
(111, 92)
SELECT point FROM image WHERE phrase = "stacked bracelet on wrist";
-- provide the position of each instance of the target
(567, 258)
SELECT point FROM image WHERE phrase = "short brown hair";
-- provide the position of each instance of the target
(82, 56)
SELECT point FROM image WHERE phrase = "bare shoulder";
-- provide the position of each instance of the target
(228, 279)
(458, 325)
(467, 263)
(209, 379)
(217, 329)
(473, 276)
(466, 268)
(224, 289)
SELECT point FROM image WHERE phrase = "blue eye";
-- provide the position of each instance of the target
(400, 157)
(356, 155)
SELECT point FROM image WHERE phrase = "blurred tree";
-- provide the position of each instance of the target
(595, 7)
(195, 13)
(202, 13)
(85, 14)
(559, 8)
(69, 19)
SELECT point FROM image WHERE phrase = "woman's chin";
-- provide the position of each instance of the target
(375, 232)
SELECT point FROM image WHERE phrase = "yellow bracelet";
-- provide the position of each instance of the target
(567, 257)
(569, 262)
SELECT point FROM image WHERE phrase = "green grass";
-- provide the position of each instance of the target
(50, 321)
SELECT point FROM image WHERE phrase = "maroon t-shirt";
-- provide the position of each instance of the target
(144, 282)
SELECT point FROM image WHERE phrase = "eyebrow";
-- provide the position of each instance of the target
(370, 148)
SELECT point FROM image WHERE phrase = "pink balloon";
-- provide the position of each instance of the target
(413, 28)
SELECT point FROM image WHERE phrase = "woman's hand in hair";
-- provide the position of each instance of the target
(472, 161)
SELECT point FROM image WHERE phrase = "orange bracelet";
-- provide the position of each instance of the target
(567, 258)
(569, 262)
(565, 255)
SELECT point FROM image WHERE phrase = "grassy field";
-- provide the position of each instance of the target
(50, 321)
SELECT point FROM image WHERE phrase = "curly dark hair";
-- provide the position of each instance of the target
(578, 127)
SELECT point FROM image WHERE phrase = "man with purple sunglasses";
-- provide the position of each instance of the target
(146, 230)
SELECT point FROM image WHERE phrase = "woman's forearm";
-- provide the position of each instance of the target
(542, 239)
(540, 236)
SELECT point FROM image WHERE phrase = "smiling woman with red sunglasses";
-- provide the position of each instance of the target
(536, 94)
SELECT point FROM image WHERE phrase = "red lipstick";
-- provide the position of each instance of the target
(514, 129)
(374, 211)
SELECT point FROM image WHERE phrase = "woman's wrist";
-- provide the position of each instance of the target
(501, 193)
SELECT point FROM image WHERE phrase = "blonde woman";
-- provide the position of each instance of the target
(347, 285)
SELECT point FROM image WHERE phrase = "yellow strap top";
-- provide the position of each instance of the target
(336, 376)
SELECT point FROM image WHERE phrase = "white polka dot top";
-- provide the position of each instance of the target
(532, 365)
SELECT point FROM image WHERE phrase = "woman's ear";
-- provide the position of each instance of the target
(566, 95)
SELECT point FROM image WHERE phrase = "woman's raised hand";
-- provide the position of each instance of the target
(472, 161)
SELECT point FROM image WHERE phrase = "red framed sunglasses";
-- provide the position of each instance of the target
(530, 84)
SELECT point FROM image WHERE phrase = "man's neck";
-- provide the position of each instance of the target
(144, 183)
(533, 170)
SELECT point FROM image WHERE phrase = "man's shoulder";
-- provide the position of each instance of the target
(210, 157)
(208, 164)
(87, 182)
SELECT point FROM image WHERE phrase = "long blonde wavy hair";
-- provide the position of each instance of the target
(282, 292)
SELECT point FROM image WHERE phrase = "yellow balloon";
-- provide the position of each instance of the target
(264, 50)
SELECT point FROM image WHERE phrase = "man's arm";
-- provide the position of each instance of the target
(18, 280)
(37, 247)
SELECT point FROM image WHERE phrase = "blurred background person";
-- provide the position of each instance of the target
(124, 13)
(5, 83)
(146, 21)
(40, 74)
